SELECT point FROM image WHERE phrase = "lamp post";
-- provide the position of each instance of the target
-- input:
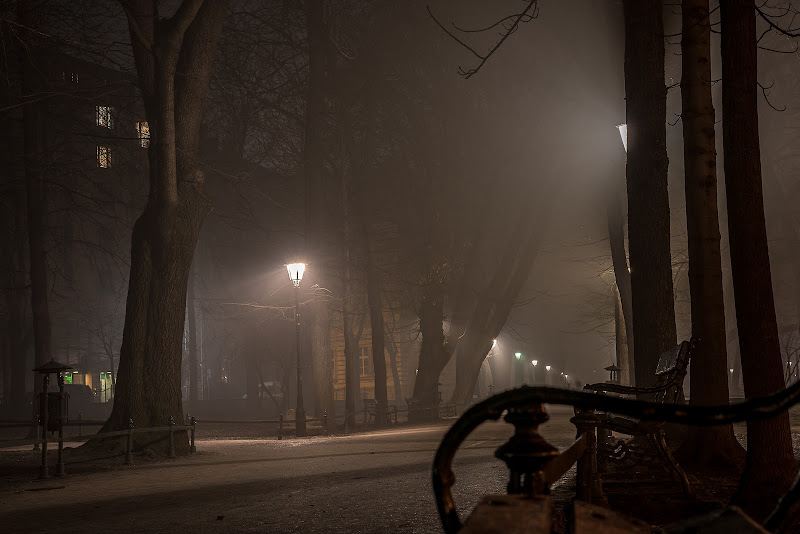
(547, 376)
(534, 363)
(296, 271)
(519, 372)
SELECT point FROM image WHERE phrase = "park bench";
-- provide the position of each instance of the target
(371, 409)
(534, 464)
(668, 389)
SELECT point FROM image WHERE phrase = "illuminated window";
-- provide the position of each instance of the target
(104, 157)
(69, 76)
(365, 360)
(104, 118)
(143, 129)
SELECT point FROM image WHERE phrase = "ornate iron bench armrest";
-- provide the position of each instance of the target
(493, 407)
(626, 390)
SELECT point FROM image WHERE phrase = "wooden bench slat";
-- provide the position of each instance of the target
(559, 466)
(511, 514)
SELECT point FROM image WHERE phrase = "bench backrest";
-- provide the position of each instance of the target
(369, 404)
(671, 370)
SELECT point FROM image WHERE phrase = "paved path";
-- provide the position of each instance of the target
(376, 482)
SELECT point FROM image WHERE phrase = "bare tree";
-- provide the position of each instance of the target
(770, 463)
(173, 57)
(709, 376)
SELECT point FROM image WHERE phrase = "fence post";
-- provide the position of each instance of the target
(171, 453)
(193, 422)
(588, 484)
(129, 448)
(280, 427)
(325, 422)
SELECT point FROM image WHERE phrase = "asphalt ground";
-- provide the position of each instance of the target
(368, 482)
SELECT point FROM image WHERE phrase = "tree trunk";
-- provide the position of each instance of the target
(770, 463)
(317, 223)
(709, 377)
(173, 61)
(646, 176)
(621, 341)
(376, 326)
(391, 346)
(192, 326)
(432, 355)
(34, 152)
(16, 306)
(622, 275)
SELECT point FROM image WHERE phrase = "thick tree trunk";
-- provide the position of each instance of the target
(432, 355)
(709, 377)
(770, 465)
(646, 176)
(165, 235)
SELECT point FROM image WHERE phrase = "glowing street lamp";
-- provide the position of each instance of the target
(518, 355)
(623, 133)
(296, 271)
(547, 375)
(494, 343)
(534, 363)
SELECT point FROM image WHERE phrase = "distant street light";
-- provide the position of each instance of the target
(623, 133)
(534, 363)
(518, 355)
(296, 271)
(547, 375)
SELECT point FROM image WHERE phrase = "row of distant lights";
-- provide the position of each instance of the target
(533, 362)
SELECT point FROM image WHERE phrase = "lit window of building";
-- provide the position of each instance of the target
(143, 130)
(104, 118)
(104, 157)
(365, 361)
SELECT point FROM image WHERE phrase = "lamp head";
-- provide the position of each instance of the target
(535, 362)
(518, 355)
(547, 367)
(296, 271)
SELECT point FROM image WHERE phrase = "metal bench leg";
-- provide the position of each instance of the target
(661, 446)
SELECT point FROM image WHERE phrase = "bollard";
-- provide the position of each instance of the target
(129, 448)
(280, 427)
(80, 425)
(171, 453)
(325, 422)
(365, 417)
(193, 422)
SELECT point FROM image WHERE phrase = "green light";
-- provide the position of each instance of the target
(518, 355)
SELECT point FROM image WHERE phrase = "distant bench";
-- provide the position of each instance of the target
(371, 409)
